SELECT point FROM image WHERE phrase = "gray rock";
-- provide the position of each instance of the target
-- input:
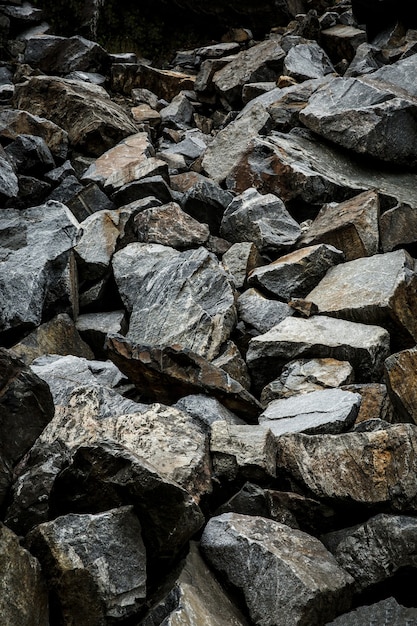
(99, 234)
(383, 294)
(240, 259)
(326, 411)
(95, 564)
(364, 62)
(179, 112)
(296, 273)
(376, 550)
(95, 327)
(36, 246)
(191, 147)
(23, 593)
(260, 313)
(9, 184)
(206, 202)
(30, 155)
(144, 187)
(361, 468)
(284, 574)
(307, 60)
(363, 345)
(60, 55)
(88, 200)
(230, 360)
(262, 219)
(384, 612)
(206, 410)
(65, 192)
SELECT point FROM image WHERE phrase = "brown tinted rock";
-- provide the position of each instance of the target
(376, 403)
(400, 372)
(231, 361)
(351, 226)
(398, 227)
(166, 84)
(169, 225)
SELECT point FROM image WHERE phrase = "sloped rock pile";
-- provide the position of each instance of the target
(208, 321)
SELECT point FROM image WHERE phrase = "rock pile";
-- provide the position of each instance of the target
(208, 321)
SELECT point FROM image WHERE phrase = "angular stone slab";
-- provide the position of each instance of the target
(376, 468)
(364, 346)
(240, 259)
(329, 411)
(169, 225)
(60, 55)
(259, 312)
(307, 60)
(386, 612)
(400, 372)
(381, 290)
(206, 410)
(285, 575)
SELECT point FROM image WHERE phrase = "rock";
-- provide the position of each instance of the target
(353, 114)
(99, 234)
(190, 285)
(170, 373)
(326, 411)
(94, 123)
(304, 583)
(307, 60)
(179, 112)
(376, 403)
(9, 184)
(95, 564)
(60, 55)
(144, 114)
(230, 360)
(296, 273)
(66, 191)
(363, 345)
(23, 594)
(206, 410)
(36, 269)
(88, 200)
(307, 375)
(260, 313)
(374, 551)
(240, 259)
(106, 475)
(384, 294)
(398, 228)
(150, 167)
(206, 202)
(399, 372)
(59, 336)
(351, 226)
(262, 219)
(364, 62)
(358, 468)
(155, 186)
(242, 452)
(170, 226)
(341, 41)
(261, 62)
(385, 611)
(166, 84)
(95, 327)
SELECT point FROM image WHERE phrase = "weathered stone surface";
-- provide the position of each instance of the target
(384, 612)
(376, 403)
(170, 373)
(23, 594)
(363, 345)
(374, 551)
(247, 451)
(166, 84)
(262, 219)
(307, 60)
(99, 234)
(264, 61)
(14, 123)
(36, 257)
(95, 327)
(400, 372)
(59, 336)
(364, 119)
(88, 200)
(9, 184)
(326, 411)
(179, 112)
(240, 259)
(60, 55)
(398, 228)
(230, 360)
(284, 574)
(374, 469)
(341, 41)
(141, 188)
(191, 286)
(95, 564)
(148, 167)
(306, 375)
(94, 123)
(206, 202)
(384, 293)
(260, 313)
(296, 273)
(351, 226)
(107, 475)
(169, 225)
(206, 410)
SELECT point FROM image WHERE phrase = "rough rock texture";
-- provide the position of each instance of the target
(383, 612)
(266, 559)
(261, 313)
(400, 370)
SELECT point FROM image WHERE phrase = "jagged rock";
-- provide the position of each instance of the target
(307, 375)
(326, 411)
(363, 345)
(384, 612)
(240, 259)
(304, 584)
(106, 475)
(400, 369)
(247, 451)
(398, 228)
(262, 219)
(149, 167)
(66, 191)
(372, 469)
(166, 84)
(95, 327)
(88, 77)
(376, 403)
(23, 594)
(374, 551)
(14, 123)
(168, 225)
(383, 294)
(144, 114)
(395, 78)
(94, 123)
(95, 564)
(88, 200)
(59, 55)
(307, 60)
(230, 360)
(364, 119)
(155, 186)
(296, 273)
(364, 62)
(60, 173)
(36, 269)
(260, 313)
(261, 62)
(170, 373)
(341, 41)
(179, 112)
(196, 598)
(9, 184)
(99, 234)
(26, 407)
(206, 410)
(191, 147)
(59, 336)
(351, 226)
(191, 286)
(251, 91)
